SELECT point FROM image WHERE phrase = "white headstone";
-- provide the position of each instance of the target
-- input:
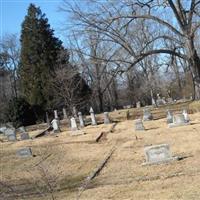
(81, 121)
(64, 113)
(74, 126)
(178, 120)
(106, 118)
(55, 114)
(185, 114)
(56, 125)
(138, 104)
(139, 125)
(92, 115)
(169, 117)
(158, 154)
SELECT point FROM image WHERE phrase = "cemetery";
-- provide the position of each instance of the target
(113, 159)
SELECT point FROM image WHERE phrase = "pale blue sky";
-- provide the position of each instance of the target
(12, 14)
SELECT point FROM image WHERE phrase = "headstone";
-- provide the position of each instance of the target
(55, 114)
(11, 134)
(178, 120)
(92, 115)
(3, 129)
(158, 154)
(12, 137)
(139, 125)
(81, 121)
(74, 126)
(56, 125)
(74, 112)
(24, 136)
(138, 104)
(22, 129)
(185, 114)
(24, 152)
(106, 118)
(64, 113)
(147, 115)
(169, 117)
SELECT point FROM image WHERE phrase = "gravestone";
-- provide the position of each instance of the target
(139, 125)
(11, 134)
(74, 112)
(55, 114)
(3, 129)
(178, 120)
(169, 117)
(106, 118)
(138, 104)
(56, 125)
(185, 114)
(24, 152)
(74, 126)
(92, 115)
(81, 121)
(22, 129)
(147, 115)
(24, 136)
(158, 154)
(64, 113)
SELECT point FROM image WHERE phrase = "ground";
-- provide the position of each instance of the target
(61, 164)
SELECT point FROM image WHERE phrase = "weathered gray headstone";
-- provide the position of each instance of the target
(24, 152)
(158, 154)
(11, 134)
(81, 121)
(22, 129)
(55, 114)
(178, 120)
(169, 117)
(185, 114)
(24, 136)
(64, 113)
(74, 126)
(147, 115)
(3, 129)
(138, 104)
(139, 125)
(92, 115)
(106, 118)
(56, 125)
(74, 112)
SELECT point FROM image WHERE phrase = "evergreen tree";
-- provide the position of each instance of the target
(39, 52)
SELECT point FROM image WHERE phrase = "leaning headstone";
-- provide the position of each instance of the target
(147, 115)
(55, 114)
(158, 154)
(106, 118)
(138, 104)
(185, 114)
(178, 120)
(24, 136)
(169, 117)
(24, 152)
(56, 125)
(81, 121)
(74, 126)
(92, 115)
(139, 125)
(64, 113)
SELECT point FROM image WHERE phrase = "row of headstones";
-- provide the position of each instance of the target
(74, 126)
(172, 120)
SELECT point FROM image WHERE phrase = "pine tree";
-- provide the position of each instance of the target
(39, 52)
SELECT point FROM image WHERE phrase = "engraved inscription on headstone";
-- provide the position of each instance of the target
(139, 125)
(158, 154)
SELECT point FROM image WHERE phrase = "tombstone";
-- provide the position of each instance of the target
(74, 112)
(81, 121)
(178, 120)
(185, 114)
(158, 154)
(74, 126)
(55, 114)
(56, 125)
(138, 104)
(147, 115)
(47, 119)
(106, 118)
(24, 152)
(92, 115)
(11, 134)
(64, 113)
(24, 136)
(139, 125)
(3, 129)
(169, 117)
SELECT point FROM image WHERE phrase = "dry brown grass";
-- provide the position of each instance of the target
(123, 178)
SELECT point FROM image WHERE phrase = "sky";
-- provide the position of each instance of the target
(12, 13)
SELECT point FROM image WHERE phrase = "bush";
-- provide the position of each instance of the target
(20, 113)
